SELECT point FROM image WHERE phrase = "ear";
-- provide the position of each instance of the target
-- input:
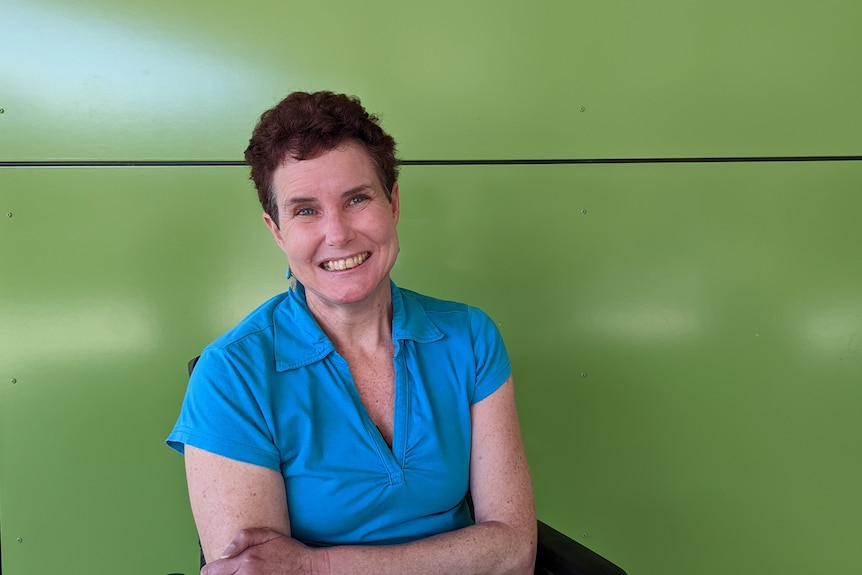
(395, 201)
(273, 228)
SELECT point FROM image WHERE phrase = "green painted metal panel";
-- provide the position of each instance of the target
(111, 281)
(687, 343)
(165, 80)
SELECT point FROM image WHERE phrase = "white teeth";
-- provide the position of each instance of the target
(345, 264)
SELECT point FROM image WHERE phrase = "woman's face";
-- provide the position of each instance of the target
(336, 225)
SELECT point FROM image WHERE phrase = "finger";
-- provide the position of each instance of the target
(246, 538)
(220, 567)
(229, 551)
(240, 542)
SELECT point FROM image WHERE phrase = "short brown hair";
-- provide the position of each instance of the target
(304, 125)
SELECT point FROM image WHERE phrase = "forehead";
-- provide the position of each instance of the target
(334, 171)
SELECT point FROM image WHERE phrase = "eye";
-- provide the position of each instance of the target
(358, 199)
(304, 212)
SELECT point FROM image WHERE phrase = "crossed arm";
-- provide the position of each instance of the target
(242, 519)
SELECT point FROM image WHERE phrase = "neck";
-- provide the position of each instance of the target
(352, 327)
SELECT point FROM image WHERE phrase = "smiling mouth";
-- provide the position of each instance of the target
(346, 263)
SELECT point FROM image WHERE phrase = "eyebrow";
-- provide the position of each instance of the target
(304, 200)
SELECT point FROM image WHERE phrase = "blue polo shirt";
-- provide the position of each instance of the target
(274, 392)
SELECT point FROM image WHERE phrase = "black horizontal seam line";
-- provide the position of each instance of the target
(478, 162)
(118, 163)
(678, 160)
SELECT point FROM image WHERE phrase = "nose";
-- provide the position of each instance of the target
(338, 229)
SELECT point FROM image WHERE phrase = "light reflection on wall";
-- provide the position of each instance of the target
(644, 322)
(80, 329)
(107, 73)
(833, 331)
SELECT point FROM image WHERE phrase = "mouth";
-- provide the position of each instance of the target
(346, 263)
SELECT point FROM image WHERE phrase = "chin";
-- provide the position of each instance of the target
(355, 294)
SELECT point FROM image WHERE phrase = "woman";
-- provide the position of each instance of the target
(344, 425)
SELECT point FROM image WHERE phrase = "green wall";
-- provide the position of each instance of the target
(686, 336)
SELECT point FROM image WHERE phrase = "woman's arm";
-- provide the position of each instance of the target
(227, 496)
(500, 483)
(503, 540)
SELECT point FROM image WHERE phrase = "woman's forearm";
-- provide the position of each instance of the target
(491, 547)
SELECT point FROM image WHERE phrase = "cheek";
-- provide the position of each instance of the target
(392, 235)
(297, 246)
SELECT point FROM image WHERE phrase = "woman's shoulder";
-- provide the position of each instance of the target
(431, 303)
(443, 310)
(257, 324)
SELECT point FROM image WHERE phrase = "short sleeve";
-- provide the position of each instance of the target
(224, 412)
(493, 367)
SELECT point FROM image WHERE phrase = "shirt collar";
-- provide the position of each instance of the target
(299, 340)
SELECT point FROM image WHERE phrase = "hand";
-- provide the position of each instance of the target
(263, 552)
